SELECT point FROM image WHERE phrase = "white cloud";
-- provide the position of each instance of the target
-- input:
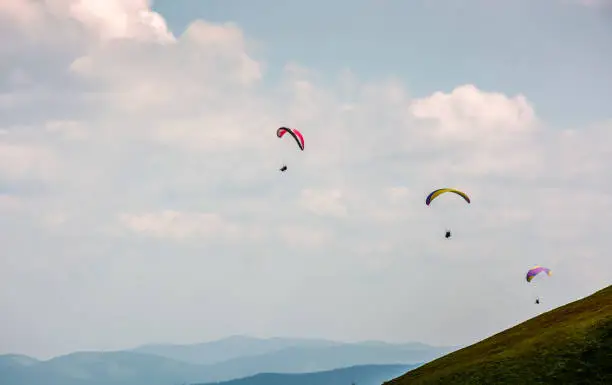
(26, 13)
(72, 130)
(304, 237)
(116, 126)
(104, 19)
(113, 19)
(23, 161)
(179, 225)
(467, 113)
(54, 219)
(397, 193)
(324, 202)
(10, 202)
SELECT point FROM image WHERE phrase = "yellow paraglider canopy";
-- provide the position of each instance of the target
(436, 193)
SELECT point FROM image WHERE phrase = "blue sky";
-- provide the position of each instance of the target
(556, 52)
(139, 165)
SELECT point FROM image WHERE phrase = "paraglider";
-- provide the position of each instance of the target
(436, 193)
(295, 134)
(280, 132)
(533, 272)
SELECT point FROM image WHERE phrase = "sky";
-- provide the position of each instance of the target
(141, 201)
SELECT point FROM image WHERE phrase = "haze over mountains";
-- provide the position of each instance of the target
(362, 375)
(230, 348)
(226, 359)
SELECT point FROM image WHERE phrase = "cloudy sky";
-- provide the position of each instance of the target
(140, 197)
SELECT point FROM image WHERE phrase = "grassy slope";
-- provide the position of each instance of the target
(569, 345)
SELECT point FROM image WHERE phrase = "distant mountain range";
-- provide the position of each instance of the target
(230, 348)
(221, 360)
(357, 375)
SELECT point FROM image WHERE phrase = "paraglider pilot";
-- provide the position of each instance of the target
(537, 301)
(448, 234)
(284, 168)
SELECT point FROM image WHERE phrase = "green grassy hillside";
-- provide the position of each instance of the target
(569, 345)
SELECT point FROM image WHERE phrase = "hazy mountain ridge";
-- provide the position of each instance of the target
(99, 368)
(360, 374)
(311, 359)
(135, 367)
(8, 360)
(229, 348)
